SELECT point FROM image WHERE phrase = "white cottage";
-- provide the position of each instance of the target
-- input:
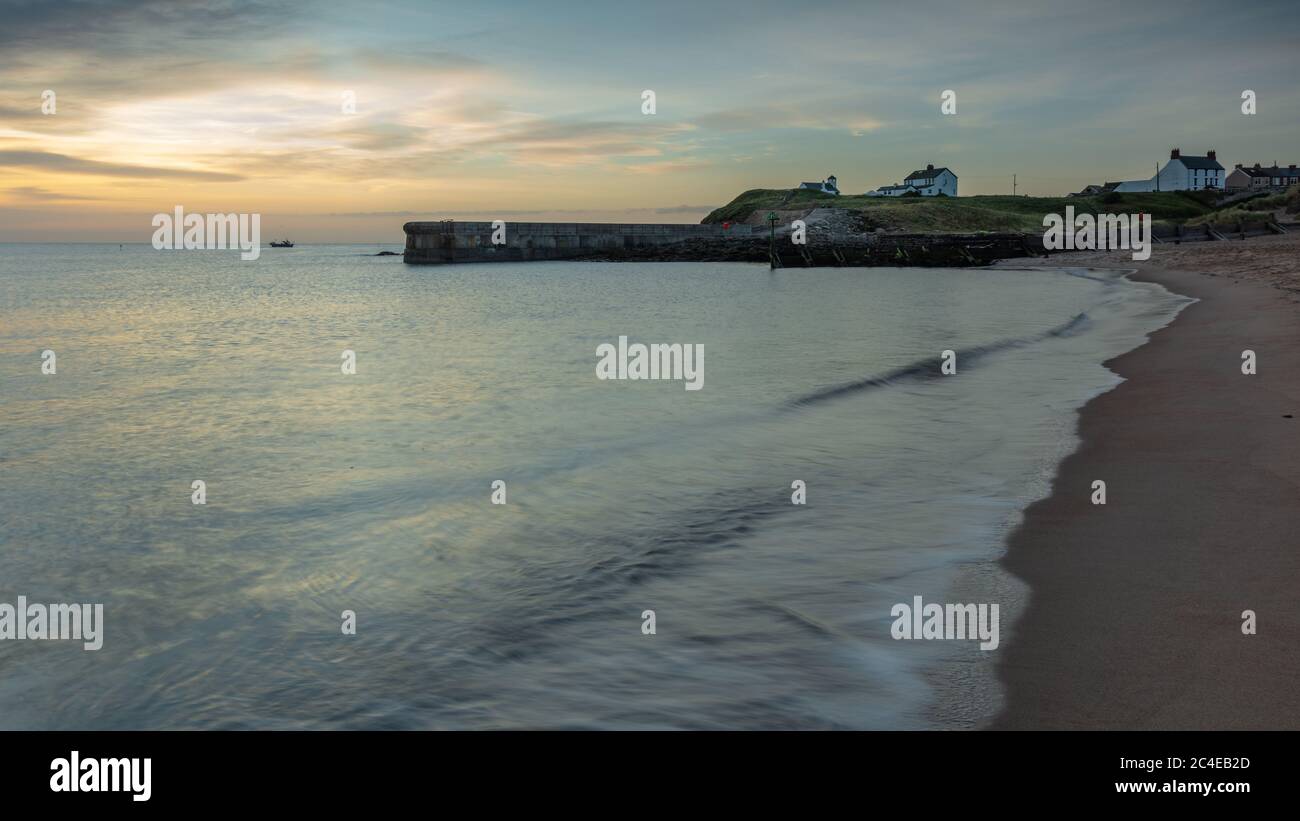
(1183, 173)
(927, 182)
(826, 186)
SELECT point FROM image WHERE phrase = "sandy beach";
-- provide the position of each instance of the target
(1135, 610)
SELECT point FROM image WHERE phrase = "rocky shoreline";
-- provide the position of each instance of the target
(828, 249)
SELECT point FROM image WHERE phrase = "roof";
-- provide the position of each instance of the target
(815, 185)
(1199, 162)
(1268, 171)
(923, 174)
(893, 187)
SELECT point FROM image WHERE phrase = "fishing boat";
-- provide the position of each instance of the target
(284, 243)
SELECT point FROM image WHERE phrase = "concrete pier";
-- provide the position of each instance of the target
(450, 241)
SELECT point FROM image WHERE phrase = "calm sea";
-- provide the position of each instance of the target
(371, 492)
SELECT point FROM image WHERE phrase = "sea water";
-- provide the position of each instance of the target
(372, 491)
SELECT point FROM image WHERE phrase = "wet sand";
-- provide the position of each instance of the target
(1134, 618)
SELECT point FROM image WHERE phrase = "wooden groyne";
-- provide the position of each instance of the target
(446, 242)
(1216, 231)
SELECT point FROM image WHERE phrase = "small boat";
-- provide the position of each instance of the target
(284, 243)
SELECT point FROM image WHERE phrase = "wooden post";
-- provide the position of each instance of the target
(771, 242)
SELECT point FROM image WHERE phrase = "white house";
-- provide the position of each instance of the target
(827, 186)
(1183, 174)
(891, 191)
(928, 182)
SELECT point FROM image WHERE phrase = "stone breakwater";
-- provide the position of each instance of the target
(448, 242)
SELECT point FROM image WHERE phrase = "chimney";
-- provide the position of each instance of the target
(1291, 166)
(1257, 165)
(1173, 155)
(1238, 165)
(929, 167)
(1210, 154)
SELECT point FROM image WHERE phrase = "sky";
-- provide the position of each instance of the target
(534, 110)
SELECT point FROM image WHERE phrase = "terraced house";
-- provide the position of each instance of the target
(1257, 177)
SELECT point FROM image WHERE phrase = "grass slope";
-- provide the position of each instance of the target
(1255, 209)
(963, 214)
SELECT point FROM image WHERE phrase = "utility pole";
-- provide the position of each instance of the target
(1013, 185)
(1157, 175)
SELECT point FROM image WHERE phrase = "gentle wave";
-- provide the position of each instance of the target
(930, 367)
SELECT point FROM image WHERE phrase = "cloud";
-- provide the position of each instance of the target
(378, 136)
(685, 209)
(114, 25)
(33, 194)
(577, 141)
(405, 58)
(62, 163)
(667, 166)
(520, 212)
(814, 114)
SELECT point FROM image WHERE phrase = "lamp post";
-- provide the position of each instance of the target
(771, 242)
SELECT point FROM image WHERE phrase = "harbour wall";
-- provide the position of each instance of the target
(449, 241)
(446, 242)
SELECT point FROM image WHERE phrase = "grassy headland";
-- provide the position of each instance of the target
(1267, 206)
(961, 214)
